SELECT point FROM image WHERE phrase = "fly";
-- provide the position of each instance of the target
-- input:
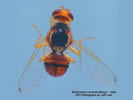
(59, 39)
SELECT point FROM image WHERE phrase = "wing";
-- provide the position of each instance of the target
(32, 74)
(92, 67)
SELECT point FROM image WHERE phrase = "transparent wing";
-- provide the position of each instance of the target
(33, 73)
(93, 68)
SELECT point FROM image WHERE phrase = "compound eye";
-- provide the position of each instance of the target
(62, 15)
(56, 12)
(70, 15)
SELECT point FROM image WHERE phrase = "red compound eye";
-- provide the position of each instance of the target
(56, 12)
(62, 15)
(70, 15)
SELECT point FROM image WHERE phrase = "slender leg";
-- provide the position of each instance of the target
(69, 58)
(44, 55)
(80, 48)
(79, 43)
(86, 38)
(41, 45)
(34, 26)
(74, 50)
(42, 42)
(52, 21)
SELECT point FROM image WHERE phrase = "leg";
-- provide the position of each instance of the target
(78, 52)
(44, 55)
(86, 38)
(52, 21)
(43, 43)
(79, 44)
(69, 58)
(74, 50)
(80, 41)
(36, 28)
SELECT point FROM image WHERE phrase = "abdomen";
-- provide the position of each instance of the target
(56, 65)
(55, 70)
